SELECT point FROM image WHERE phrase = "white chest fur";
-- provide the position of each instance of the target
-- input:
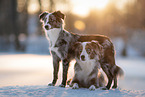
(86, 68)
(52, 35)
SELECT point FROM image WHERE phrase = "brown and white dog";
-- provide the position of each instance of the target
(61, 42)
(87, 67)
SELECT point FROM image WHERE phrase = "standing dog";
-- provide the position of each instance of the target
(61, 43)
(87, 73)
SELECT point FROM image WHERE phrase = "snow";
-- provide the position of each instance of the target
(28, 75)
(53, 91)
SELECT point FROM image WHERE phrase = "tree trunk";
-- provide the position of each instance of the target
(14, 18)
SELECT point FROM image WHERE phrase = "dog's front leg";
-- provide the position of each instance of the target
(93, 84)
(65, 71)
(56, 61)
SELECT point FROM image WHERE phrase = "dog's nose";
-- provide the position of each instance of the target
(83, 57)
(46, 27)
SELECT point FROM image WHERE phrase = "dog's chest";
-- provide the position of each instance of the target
(52, 36)
(86, 68)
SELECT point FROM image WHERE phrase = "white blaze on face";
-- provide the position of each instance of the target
(84, 52)
(46, 22)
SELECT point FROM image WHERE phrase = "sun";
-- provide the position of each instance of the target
(82, 7)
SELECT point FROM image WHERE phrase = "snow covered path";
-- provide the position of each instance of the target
(28, 75)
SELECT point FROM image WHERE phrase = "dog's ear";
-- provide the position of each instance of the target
(42, 16)
(97, 47)
(75, 48)
(96, 44)
(59, 14)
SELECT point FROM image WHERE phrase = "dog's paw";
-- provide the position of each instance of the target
(61, 85)
(104, 88)
(75, 86)
(114, 87)
(51, 84)
(92, 88)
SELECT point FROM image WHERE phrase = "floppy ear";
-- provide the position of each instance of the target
(59, 14)
(96, 44)
(75, 48)
(98, 48)
(42, 16)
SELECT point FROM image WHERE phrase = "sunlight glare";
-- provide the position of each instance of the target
(82, 8)
(33, 6)
(79, 8)
(80, 25)
(122, 3)
(99, 4)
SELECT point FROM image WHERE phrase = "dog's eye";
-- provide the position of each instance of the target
(89, 50)
(80, 50)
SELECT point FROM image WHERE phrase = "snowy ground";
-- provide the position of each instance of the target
(28, 75)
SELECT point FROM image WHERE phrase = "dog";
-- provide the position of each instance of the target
(87, 66)
(61, 42)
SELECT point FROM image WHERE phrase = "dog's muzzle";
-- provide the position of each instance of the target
(47, 27)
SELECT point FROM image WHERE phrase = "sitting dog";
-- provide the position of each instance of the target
(61, 42)
(87, 73)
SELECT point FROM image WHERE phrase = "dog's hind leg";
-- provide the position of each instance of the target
(65, 71)
(56, 61)
(115, 82)
(109, 76)
(117, 72)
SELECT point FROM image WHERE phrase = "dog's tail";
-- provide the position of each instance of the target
(118, 71)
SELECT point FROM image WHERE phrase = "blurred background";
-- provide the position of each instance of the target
(24, 54)
(122, 20)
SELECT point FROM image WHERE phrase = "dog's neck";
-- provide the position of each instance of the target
(52, 35)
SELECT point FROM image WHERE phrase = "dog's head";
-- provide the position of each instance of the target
(52, 20)
(87, 50)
